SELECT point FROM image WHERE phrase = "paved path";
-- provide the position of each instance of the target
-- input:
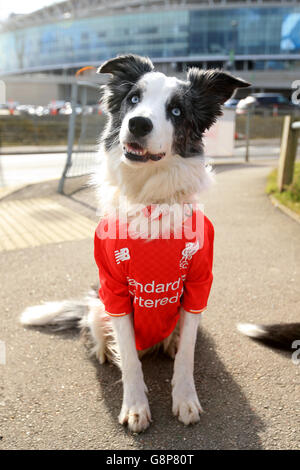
(53, 396)
(39, 221)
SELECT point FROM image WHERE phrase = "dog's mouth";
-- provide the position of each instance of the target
(137, 153)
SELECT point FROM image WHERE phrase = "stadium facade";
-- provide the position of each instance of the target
(259, 38)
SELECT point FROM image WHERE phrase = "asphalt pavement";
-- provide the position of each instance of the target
(53, 396)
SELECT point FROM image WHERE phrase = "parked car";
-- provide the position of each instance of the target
(42, 111)
(26, 109)
(88, 109)
(4, 110)
(266, 103)
(231, 103)
(9, 108)
(55, 106)
(67, 109)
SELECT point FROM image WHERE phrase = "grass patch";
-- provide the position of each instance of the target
(290, 197)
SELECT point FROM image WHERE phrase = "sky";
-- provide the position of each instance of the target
(19, 6)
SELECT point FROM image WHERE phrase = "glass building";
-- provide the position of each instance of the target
(264, 35)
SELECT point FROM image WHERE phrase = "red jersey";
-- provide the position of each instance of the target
(154, 277)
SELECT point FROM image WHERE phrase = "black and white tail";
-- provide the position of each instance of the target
(60, 315)
(281, 335)
(86, 314)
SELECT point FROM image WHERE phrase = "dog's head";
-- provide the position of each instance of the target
(154, 116)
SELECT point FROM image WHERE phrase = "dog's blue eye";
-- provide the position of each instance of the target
(176, 112)
(135, 99)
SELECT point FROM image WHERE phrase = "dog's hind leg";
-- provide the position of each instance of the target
(186, 404)
(170, 344)
(98, 325)
(135, 409)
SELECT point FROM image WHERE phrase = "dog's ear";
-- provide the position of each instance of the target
(125, 71)
(207, 91)
(215, 83)
(125, 66)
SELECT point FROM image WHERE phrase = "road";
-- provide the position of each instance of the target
(53, 396)
(31, 168)
(23, 169)
(18, 169)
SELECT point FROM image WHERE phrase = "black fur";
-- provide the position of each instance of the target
(125, 72)
(200, 100)
(280, 336)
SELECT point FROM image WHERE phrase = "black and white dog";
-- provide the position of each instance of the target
(151, 154)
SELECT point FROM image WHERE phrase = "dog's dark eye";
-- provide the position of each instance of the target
(135, 99)
(176, 112)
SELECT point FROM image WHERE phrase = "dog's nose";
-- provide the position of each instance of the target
(140, 126)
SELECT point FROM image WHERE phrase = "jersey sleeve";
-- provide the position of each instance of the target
(113, 284)
(199, 277)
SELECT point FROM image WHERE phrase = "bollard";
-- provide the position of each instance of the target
(288, 151)
(247, 133)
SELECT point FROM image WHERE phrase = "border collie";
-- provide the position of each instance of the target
(152, 287)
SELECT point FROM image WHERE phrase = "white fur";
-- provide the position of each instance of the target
(99, 326)
(40, 314)
(124, 186)
(135, 409)
(123, 189)
(158, 88)
(186, 404)
(248, 329)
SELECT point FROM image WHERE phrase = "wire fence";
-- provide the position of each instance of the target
(63, 117)
(81, 153)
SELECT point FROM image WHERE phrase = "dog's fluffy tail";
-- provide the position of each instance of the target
(60, 315)
(281, 335)
(86, 314)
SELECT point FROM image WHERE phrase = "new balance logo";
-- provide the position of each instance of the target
(122, 255)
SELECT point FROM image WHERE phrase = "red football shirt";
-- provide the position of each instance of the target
(154, 277)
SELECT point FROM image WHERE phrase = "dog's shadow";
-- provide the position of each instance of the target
(228, 422)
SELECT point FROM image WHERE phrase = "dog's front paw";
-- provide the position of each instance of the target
(186, 405)
(135, 410)
(136, 415)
